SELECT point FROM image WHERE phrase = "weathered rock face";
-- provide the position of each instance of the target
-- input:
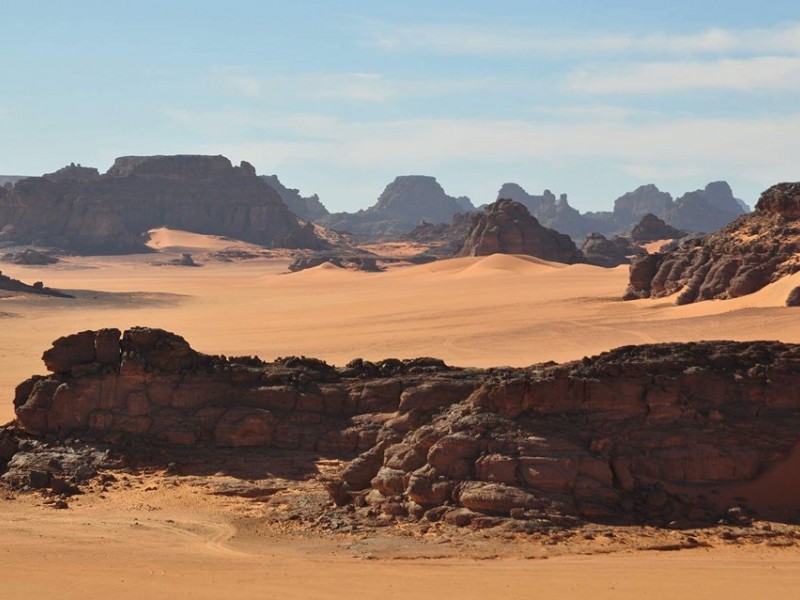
(507, 227)
(73, 172)
(650, 228)
(306, 207)
(782, 199)
(404, 204)
(442, 240)
(705, 210)
(554, 213)
(753, 251)
(109, 214)
(29, 257)
(651, 432)
(645, 199)
(598, 250)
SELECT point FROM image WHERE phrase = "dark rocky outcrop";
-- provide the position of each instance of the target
(29, 256)
(356, 263)
(506, 227)
(652, 433)
(751, 252)
(73, 172)
(598, 250)
(404, 204)
(650, 228)
(8, 284)
(442, 240)
(75, 210)
(307, 207)
(554, 213)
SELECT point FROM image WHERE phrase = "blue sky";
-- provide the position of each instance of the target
(586, 98)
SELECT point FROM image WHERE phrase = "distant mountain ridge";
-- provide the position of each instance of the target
(405, 203)
(700, 211)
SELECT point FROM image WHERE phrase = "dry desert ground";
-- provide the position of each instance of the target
(150, 538)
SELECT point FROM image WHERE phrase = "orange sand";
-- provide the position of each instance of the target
(487, 311)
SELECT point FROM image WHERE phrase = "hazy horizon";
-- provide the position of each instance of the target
(339, 98)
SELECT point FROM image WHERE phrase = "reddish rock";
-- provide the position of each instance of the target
(741, 258)
(506, 227)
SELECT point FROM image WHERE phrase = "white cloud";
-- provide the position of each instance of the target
(353, 87)
(529, 42)
(759, 74)
(760, 150)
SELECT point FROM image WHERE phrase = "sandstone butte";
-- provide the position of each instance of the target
(645, 434)
(79, 210)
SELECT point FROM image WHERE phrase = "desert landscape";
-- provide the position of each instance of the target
(152, 533)
(334, 300)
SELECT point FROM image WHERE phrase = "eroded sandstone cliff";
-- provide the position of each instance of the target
(77, 209)
(656, 432)
(754, 250)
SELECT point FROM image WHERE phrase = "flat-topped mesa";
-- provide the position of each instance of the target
(178, 166)
(649, 432)
(507, 227)
(753, 251)
(111, 213)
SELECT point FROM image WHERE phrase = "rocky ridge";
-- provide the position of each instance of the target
(79, 210)
(703, 210)
(754, 250)
(657, 433)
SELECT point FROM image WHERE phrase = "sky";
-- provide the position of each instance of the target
(591, 99)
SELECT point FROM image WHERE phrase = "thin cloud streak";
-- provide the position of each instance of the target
(755, 75)
(370, 88)
(757, 149)
(533, 43)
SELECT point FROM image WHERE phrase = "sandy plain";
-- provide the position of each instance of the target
(176, 542)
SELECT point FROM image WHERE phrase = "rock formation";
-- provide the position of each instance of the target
(307, 207)
(652, 433)
(76, 210)
(507, 227)
(442, 240)
(650, 228)
(554, 213)
(354, 262)
(753, 251)
(29, 257)
(598, 250)
(403, 205)
(8, 284)
(703, 210)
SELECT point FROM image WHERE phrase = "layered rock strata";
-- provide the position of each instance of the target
(79, 210)
(739, 259)
(656, 432)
